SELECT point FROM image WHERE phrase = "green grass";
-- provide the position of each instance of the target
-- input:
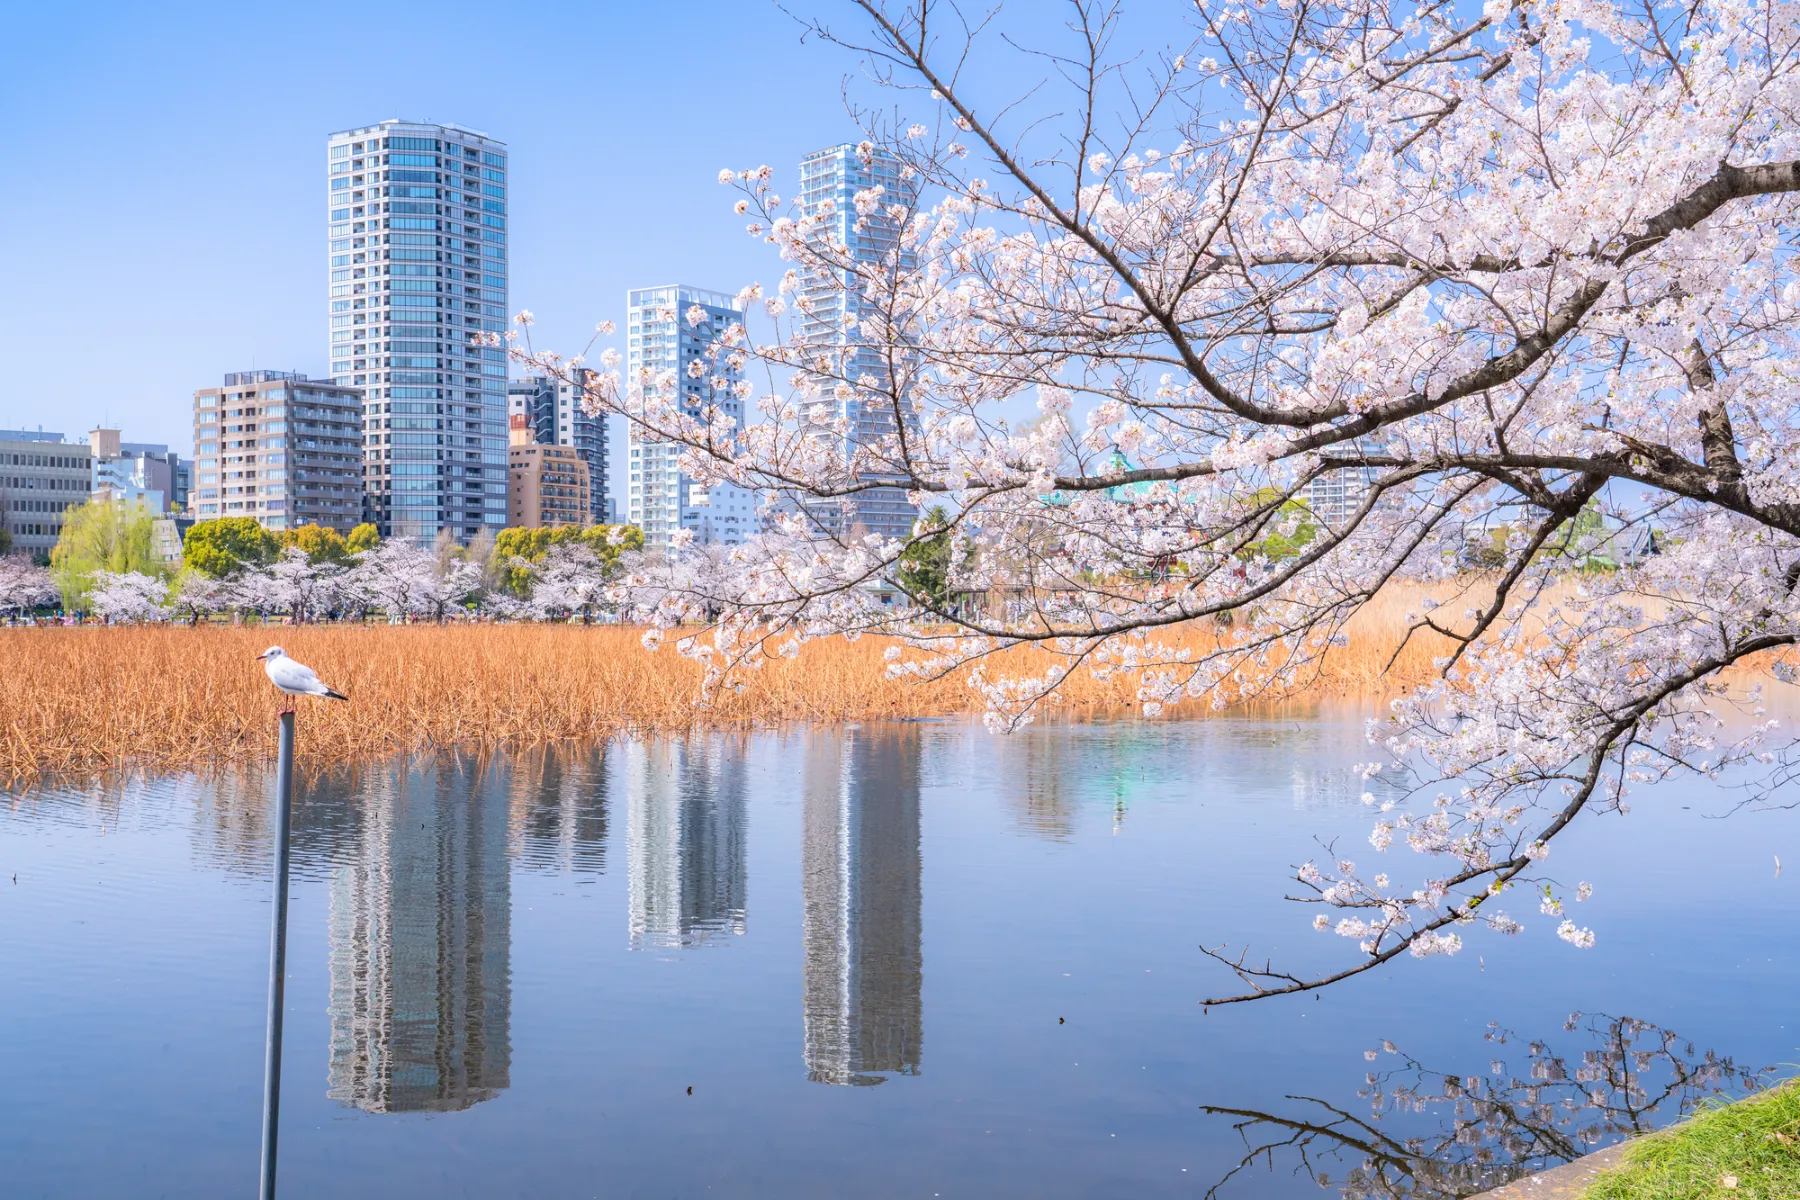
(1749, 1150)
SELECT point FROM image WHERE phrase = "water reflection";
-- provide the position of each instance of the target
(861, 926)
(420, 935)
(1467, 1133)
(685, 841)
(559, 808)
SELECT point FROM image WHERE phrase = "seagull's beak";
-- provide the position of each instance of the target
(260, 657)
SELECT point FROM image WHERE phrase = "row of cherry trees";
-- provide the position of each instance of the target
(397, 579)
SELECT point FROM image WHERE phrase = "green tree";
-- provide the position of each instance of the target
(363, 537)
(924, 568)
(1292, 530)
(102, 536)
(227, 545)
(5, 541)
(533, 544)
(320, 543)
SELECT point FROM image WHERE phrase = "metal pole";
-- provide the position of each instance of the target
(284, 804)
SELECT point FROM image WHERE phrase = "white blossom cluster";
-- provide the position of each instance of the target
(23, 585)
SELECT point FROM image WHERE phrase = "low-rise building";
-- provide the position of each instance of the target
(547, 485)
(281, 448)
(554, 409)
(41, 478)
(134, 472)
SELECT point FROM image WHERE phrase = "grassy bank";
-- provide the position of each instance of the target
(1749, 1150)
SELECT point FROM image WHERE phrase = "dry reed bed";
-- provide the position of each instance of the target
(97, 698)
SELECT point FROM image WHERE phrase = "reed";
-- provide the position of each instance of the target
(98, 698)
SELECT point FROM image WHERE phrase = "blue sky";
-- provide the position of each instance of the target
(167, 220)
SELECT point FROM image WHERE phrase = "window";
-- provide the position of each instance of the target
(341, 151)
(412, 143)
(493, 160)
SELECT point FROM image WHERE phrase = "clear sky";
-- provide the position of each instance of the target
(163, 219)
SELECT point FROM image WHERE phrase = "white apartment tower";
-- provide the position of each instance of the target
(662, 340)
(417, 272)
(834, 298)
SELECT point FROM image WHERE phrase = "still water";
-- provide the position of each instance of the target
(900, 960)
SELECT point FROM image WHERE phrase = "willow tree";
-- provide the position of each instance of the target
(1464, 269)
(103, 536)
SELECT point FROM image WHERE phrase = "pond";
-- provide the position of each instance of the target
(898, 960)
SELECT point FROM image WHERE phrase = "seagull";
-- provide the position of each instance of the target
(293, 678)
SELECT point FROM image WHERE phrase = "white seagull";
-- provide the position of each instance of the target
(294, 678)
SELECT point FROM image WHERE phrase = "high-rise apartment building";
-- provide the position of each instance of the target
(1335, 496)
(830, 181)
(663, 338)
(418, 270)
(279, 447)
(552, 408)
(41, 478)
(548, 485)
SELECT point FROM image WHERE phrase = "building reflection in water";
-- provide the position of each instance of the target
(685, 841)
(420, 930)
(859, 858)
(559, 808)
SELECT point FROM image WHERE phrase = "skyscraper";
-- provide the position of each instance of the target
(830, 181)
(552, 407)
(861, 925)
(663, 340)
(418, 269)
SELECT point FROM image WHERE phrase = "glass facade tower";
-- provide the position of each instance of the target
(836, 175)
(418, 269)
(663, 340)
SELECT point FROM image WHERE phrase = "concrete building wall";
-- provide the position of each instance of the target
(41, 478)
(281, 448)
(547, 485)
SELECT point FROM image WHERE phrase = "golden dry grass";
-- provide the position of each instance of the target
(96, 698)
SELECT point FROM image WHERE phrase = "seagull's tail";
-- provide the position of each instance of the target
(333, 694)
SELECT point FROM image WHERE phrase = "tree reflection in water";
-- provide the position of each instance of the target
(1468, 1133)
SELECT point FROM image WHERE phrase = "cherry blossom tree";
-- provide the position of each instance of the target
(129, 597)
(1369, 281)
(197, 596)
(294, 583)
(23, 584)
(571, 581)
(404, 579)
